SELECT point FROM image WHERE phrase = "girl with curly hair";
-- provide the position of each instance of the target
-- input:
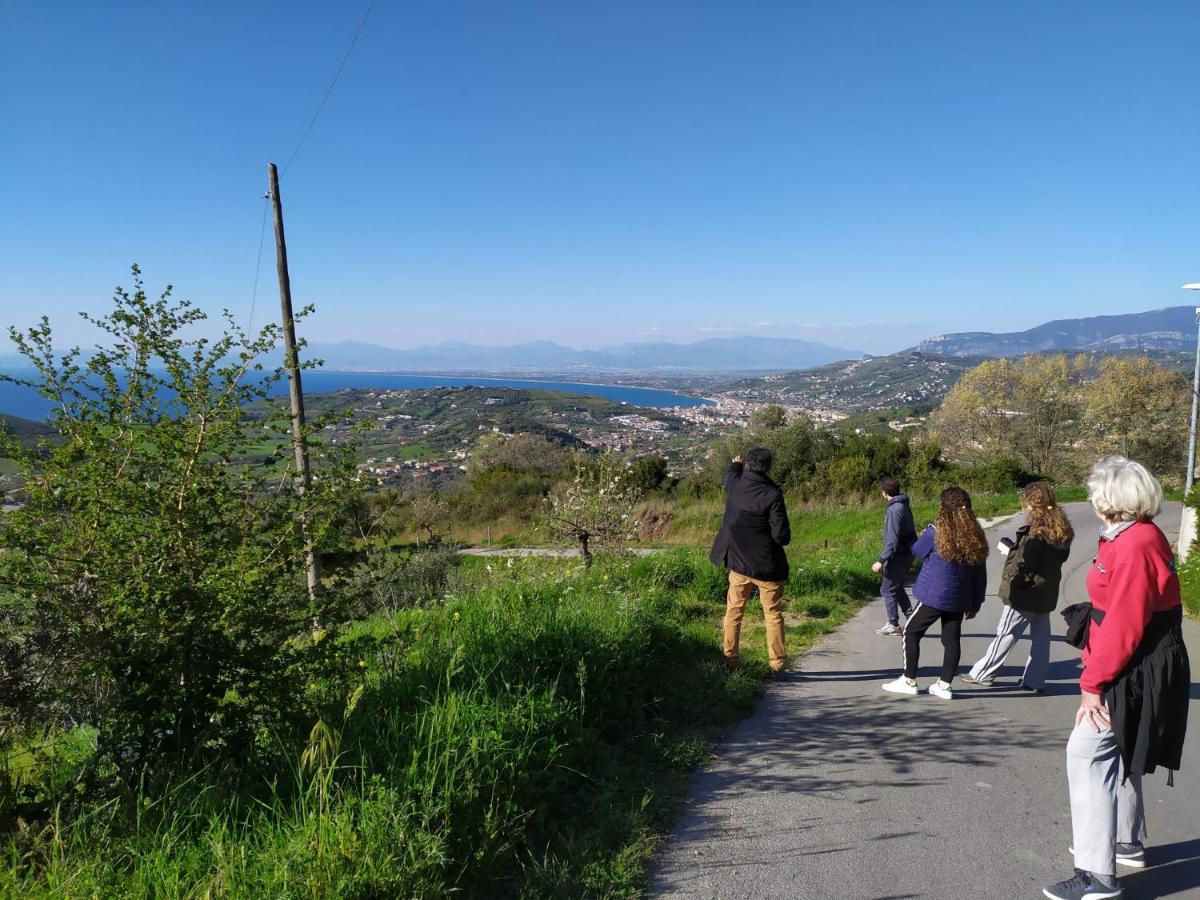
(1029, 588)
(950, 587)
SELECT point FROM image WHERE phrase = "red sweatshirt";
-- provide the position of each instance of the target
(1132, 578)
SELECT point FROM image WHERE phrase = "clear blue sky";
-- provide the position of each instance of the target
(861, 173)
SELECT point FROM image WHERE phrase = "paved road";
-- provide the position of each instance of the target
(834, 789)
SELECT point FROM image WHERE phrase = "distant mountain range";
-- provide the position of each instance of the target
(1173, 328)
(1164, 330)
(743, 354)
(921, 377)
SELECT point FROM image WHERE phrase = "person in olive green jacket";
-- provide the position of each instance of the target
(1029, 588)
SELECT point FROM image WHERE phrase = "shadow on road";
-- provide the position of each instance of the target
(835, 750)
(1173, 869)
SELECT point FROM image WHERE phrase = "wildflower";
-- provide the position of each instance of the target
(457, 616)
(362, 664)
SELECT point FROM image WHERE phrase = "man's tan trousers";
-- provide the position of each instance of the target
(770, 594)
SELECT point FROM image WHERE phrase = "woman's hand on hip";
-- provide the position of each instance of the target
(1092, 710)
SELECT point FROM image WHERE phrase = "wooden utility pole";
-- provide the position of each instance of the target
(291, 362)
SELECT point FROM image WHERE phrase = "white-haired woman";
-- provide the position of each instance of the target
(1135, 683)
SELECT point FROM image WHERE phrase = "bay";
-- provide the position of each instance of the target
(25, 402)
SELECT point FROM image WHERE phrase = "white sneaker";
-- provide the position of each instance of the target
(940, 689)
(902, 686)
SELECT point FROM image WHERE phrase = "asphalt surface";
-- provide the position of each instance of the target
(835, 789)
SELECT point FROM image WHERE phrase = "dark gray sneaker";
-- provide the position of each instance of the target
(1084, 886)
(1132, 855)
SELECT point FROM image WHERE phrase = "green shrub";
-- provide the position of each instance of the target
(387, 580)
(154, 588)
(999, 475)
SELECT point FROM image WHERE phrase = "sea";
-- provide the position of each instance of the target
(26, 403)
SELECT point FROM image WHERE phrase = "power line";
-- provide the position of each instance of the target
(262, 233)
(336, 75)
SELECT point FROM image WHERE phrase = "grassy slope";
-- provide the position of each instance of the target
(531, 736)
(693, 522)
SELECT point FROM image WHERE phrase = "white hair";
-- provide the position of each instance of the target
(1121, 489)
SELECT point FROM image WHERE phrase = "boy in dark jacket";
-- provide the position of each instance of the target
(750, 545)
(899, 535)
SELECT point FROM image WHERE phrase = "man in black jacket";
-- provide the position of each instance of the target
(750, 545)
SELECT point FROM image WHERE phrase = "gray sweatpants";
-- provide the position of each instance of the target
(1104, 812)
(1012, 626)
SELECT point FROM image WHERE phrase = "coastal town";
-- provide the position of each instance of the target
(428, 434)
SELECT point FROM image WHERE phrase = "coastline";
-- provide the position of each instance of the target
(23, 402)
(503, 381)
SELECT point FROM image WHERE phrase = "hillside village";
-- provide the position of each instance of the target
(429, 434)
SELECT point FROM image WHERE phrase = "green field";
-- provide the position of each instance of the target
(401, 452)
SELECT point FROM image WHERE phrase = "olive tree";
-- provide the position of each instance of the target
(1137, 408)
(1025, 409)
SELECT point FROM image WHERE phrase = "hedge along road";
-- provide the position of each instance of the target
(835, 789)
